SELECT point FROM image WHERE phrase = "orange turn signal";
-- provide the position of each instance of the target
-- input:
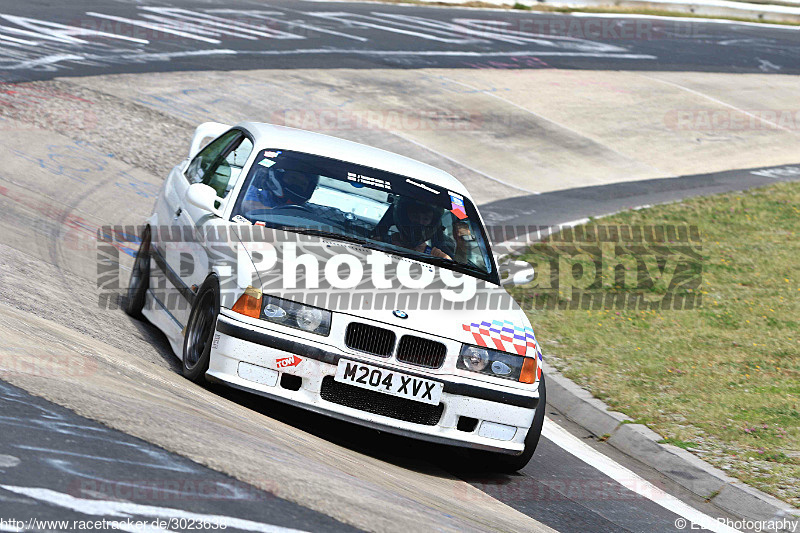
(249, 303)
(528, 374)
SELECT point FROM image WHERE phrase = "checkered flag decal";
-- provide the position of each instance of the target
(507, 337)
(503, 336)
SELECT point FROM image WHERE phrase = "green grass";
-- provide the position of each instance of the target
(679, 443)
(722, 380)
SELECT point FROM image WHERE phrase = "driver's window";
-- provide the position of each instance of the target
(220, 163)
(229, 170)
(208, 156)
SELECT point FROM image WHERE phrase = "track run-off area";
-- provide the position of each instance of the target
(99, 101)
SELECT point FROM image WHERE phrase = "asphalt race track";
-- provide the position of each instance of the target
(153, 36)
(82, 456)
(96, 420)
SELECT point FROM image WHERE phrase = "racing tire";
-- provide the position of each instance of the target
(508, 464)
(200, 331)
(134, 300)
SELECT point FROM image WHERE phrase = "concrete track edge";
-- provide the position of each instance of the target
(641, 443)
(707, 8)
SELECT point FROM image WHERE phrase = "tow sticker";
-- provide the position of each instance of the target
(457, 204)
(266, 163)
(284, 362)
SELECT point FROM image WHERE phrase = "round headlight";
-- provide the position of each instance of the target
(475, 359)
(274, 312)
(309, 318)
(500, 368)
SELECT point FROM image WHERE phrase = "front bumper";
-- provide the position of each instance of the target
(244, 356)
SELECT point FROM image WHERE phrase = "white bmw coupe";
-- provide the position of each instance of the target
(343, 279)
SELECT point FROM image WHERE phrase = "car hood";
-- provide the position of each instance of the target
(452, 305)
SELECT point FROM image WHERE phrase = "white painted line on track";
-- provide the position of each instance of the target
(166, 56)
(47, 60)
(156, 56)
(125, 510)
(720, 102)
(153, 26)
(542, 117)
(289, 23)
(450, 53)
(440, 154)
(628, 479)
(16, 41)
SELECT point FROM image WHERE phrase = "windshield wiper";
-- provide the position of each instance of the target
(448, 263)
(325, 234)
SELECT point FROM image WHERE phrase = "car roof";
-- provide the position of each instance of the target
(283, 137)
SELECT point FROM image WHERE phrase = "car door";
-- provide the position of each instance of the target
(172, 243)
(218, 165)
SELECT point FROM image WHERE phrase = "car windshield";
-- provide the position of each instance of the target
(381, 210)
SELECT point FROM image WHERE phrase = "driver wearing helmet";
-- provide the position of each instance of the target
(417, 223)
(278, 187)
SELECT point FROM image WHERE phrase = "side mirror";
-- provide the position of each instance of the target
(203, 197)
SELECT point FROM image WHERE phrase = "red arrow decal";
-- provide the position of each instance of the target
(292, 360)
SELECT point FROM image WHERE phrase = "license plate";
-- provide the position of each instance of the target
(389, 382)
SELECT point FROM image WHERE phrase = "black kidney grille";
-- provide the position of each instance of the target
(422, 352)
(370, 339)
(379, 403)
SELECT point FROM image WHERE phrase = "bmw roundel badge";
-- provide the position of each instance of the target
(400, 314)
